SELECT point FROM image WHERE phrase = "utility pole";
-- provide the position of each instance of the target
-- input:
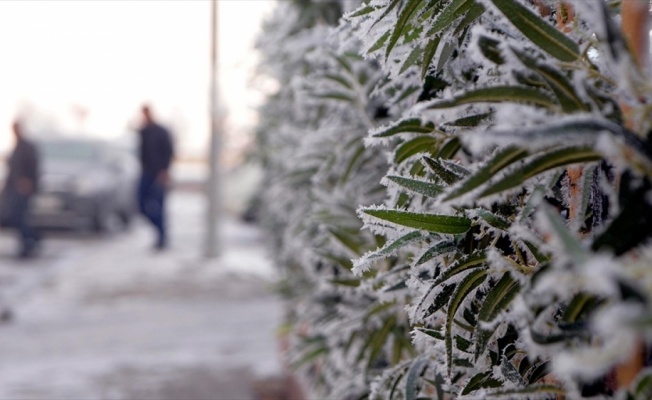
(213, 241)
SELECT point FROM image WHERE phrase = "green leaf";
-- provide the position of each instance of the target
(466, 285)
(401, 23)
(357, 155)
(541, 163)
(535, 28)
(437, 250)
(481, 381)
(572, 245)
(379, 43)
(452, 12)
(493, 220)
(490, 48)
(471, 261)
(412, 59)
(346, 282)
(391, 247)
(420, 187)
(421, 144)
(517, 392)
(500, 160)
(344, 63)
(569, 100)
(412, 125)
(445, 54)
(538, 372)
(575, 307)
(428, 54)
(440, 300)
(471, 16)
(362, 10)
(432, 333)
(388, 9)
(447, 172)
(446, 224)
(498, 94)
(642, 389)
(471, 121)
(497, 300)
(449, 148)
(415, 371)
(336, 96)
(347, 240)
(342, 81)
(379, 340)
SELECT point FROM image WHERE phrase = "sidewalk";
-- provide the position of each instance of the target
(108, 318)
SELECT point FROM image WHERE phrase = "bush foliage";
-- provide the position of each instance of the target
(458, 194)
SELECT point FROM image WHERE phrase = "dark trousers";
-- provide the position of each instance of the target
(19, 219)
(151, 201)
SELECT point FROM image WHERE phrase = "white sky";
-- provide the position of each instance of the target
(109, 56)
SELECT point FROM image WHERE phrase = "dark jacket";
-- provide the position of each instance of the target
(23, 163)
(156, 149)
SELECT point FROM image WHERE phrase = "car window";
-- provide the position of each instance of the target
(68, 151)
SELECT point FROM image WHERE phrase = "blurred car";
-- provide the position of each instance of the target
(85, 183)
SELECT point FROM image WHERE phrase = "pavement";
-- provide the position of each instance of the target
(107, 317)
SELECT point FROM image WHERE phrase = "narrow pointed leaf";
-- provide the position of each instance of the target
(412, 59)
(500, 160)
(490, 48)
(443, 173)
(380, 339)
(471, 16)
(544, 162)
(569, 100)
(449, 148)
(363, 10)
(545, 36)
(403, 19)
(447, 224)
(452, 12)
(480, 381)
(437, 250)
(471, 121)
(413, 125)
(464, 288)
(427, 189)
(498, 94)
(493, 220)
(415, 371)
(471, 261)
(388, 9)
(523, 392)
(440, 300)
(421, 144)
(379, 43)
(428, 54)
(391, 247)
(496, 301)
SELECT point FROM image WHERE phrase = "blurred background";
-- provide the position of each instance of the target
(85, 68)
(98, 314)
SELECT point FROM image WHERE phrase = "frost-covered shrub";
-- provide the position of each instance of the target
(318, 171)
(516, 211)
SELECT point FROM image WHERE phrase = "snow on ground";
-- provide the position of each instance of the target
(108, 317)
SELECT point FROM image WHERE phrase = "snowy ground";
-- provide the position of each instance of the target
(105, 317)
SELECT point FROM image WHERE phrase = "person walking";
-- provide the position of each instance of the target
(20, 186)
(156, 152)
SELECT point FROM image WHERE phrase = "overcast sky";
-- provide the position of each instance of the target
(88, 65)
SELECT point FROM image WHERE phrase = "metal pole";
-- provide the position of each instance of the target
(213, 243)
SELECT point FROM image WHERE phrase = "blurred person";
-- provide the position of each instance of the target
(156, 152)
(20, 186)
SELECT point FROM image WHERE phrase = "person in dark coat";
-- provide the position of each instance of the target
(20, 186)
(156, 152)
